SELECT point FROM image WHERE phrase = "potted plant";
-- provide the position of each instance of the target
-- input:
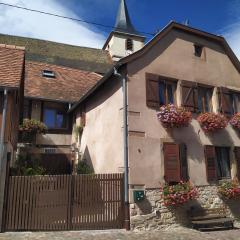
(211, 122)
(179, 194)
(174, 117)
(229, 189)
(235, 121)
(30, 128)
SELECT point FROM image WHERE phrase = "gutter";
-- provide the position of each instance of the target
(2, 160)
(125, 149)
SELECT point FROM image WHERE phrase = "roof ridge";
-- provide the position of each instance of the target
(12, 47)
(44, 40)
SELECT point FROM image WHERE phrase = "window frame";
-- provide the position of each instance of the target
(218, 164)
(56, 112)
(204, 94)
(166, 82)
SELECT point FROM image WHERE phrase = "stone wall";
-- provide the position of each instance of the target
(152, 214)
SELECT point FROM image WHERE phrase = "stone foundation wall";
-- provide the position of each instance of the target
(152, 214)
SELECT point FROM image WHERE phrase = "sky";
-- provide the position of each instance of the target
(221, 17)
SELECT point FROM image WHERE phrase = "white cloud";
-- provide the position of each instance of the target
(29, 24)
(232, 35)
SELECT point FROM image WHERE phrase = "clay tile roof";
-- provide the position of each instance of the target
(83, 58)
(68, 85)
(11, 66)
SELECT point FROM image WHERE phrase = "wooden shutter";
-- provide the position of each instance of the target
(83, 118)
(237, 157)
(225, 101)
(210, 157)
(152, 91)
(171, 162)
(183, 162)
(189, 95)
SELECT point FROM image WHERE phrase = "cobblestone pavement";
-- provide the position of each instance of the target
(170, 234)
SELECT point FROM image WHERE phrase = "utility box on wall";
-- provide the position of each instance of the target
(138, 195)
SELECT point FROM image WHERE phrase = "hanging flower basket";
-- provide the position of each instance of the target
(30, 128)
(175, 195)
(230, 190)
(235, 121)
(174, 117)
(211, 122)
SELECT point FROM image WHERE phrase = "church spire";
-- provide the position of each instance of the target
(123, 22)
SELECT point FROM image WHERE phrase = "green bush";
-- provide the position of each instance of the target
(27, 166)
(84, 168)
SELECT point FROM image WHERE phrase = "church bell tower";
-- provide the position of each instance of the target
(124, 39)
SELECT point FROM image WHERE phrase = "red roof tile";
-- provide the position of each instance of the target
(11, 65)
(68, 85)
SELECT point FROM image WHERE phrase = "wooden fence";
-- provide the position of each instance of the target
(65, 202)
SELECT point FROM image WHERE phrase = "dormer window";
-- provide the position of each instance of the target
(129, 44)
(48, 74)
(198, 50)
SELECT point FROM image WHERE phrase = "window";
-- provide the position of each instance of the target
(129, 44)
(223, 162)
(198, 50)
(166, 92)
(204, 99)
(196, 97)
(27, 108)
(175, 162)
(217, 163)
(48, 74)
(229, 101)
(54, 118)
(160, 91)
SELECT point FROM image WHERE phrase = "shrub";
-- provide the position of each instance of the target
(84, 168)
(26, 165)
(171, 116)
(211, 122)
(229, 189)
(235, 121)
(179, 194)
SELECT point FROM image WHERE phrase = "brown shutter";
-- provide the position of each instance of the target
(237, 157)
(184, 162)
(189, 95)
(225, 101)
(171, 162)
(210, 157)
(152, 91)
(83, 118)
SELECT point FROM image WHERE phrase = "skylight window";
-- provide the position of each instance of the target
(48, 74)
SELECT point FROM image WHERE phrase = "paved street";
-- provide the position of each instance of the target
(170, 234)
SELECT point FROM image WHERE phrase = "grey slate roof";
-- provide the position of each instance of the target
(83, 58)
(123, 21)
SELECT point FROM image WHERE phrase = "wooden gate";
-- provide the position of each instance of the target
(65, 202)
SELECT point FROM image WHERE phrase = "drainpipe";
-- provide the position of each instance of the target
(125, 149)
(2, 160)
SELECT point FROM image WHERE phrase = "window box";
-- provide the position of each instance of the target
(229, 190)
(174, 117)
(30, 128)
(212, 122)
(179, 194)
(235, 121)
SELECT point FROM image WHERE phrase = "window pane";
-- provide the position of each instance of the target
(59, 121)
(200, 104)
(49, 118)
(223, 162)
(161, 93)
(170, 93)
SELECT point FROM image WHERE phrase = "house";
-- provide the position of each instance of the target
(56, 75)
(11, 99)
(181, 65)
